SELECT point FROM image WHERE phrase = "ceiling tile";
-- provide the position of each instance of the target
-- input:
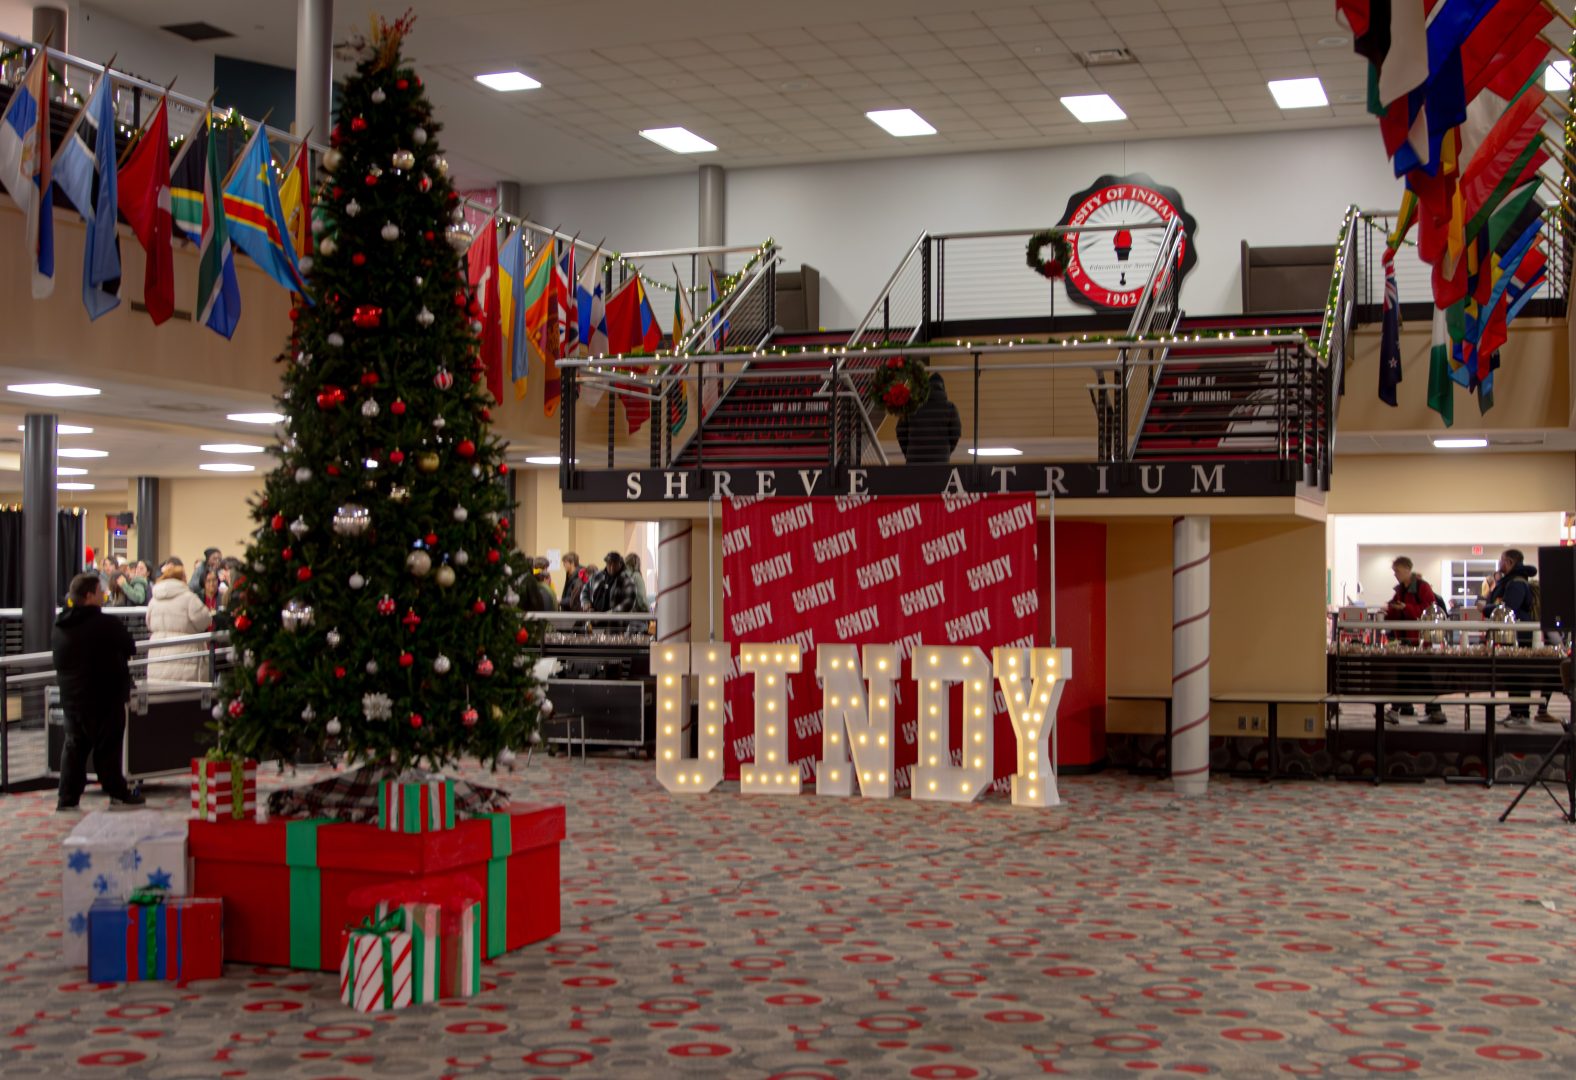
(1017, 16)
(940, 24)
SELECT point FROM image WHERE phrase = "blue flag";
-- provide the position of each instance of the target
(85, 171)
(25, 170)
(257, 221)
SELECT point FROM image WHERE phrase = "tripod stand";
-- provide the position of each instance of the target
(1567, 746)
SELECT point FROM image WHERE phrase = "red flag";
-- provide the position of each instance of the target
(1510, 135)
(1504, 48)
(482, 262)
(144, 197)
(623, 318)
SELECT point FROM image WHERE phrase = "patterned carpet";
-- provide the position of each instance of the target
(1302, 929)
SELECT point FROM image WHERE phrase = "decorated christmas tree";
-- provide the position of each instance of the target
(378, 616)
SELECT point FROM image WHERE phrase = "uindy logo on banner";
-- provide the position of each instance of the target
(859, 689)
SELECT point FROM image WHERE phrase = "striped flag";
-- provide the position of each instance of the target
(85, 171)
(295, 201)
(25, 169)
(1441, 387)
(511, 308)
(218, 295)
(1390, 334)
(683, 317)
(251, 202)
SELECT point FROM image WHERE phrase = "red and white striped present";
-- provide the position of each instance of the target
(224, 790)
(375, 971)
(416, 807)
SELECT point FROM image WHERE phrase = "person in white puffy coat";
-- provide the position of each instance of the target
(174, 611)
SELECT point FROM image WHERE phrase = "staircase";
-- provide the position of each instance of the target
(775, 417)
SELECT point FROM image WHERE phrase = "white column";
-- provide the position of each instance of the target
(314, 66)
(673, 580)
(1190, 655)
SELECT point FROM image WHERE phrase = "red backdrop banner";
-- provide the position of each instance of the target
(937, 570)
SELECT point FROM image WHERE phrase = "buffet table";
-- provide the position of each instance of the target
(604, 680)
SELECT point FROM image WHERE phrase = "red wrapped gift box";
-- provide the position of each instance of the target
(287, 884)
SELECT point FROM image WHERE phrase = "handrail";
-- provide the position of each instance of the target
(1144, 316)
(1060, 230)
(870, 315)
(1335, 312)
(668, 253)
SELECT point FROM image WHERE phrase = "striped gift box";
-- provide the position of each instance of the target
(224, 790)
(375, 971)
(180, 938)
(427, 806)
(446, 941)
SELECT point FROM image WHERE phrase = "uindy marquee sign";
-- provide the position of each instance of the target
(1078, 480)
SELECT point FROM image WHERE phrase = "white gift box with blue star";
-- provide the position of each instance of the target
(107, 856)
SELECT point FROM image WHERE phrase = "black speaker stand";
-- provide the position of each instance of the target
(1565, 745)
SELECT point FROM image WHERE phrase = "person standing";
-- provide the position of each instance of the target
(174, 612)
(1413, 598)
(931, 434)
(91, 651)
(632, 568)
(211, 560)
(610, 589)
(1515, 591)
(576, 577)
(135, 585)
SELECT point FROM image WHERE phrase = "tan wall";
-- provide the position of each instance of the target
(198, 514)
(541, 525)
(1531, 390)
(1138, 607)
(1452, 482)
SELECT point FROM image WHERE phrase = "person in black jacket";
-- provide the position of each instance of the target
(1514, 590)
(930, 435)
(610, 589)
(91, 650)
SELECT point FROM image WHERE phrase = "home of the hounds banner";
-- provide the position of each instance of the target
(939, 570)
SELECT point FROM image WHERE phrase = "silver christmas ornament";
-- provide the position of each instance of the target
(305, 263)
(511, 598)
(333, 638)
(217, 711)
(459, 238)
(352, 208)
(519, 660)
(332, 727)
(457, 214)
(378, 96)
(352, 519)
(336, 339)
(331, 159)
(309, 714)
(424, 316)
(403, 159)
(299, 528)
(461, 557)
(445, 576)
(419, 136)
(476, 471)
(399, 493)
(296, 616)
(372, 667)
(536, 695)
(390, 231)
(327, 246)
(460, 513)
(419, 563)
(420, 281)
(249, 659)
(303, 474)
(319, 226)
(545, 710)
(441, 665)
(439, 422)
(506, 757)
(370, 408)
(375, 170)
(356, 581)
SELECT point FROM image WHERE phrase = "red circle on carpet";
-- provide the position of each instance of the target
(1252, 1035)
(476, 1027)
(1013, 1016)
(1509, 1053)
(339, 1033)
(793, 999)
(1388, 1063)
(113, 1057)
(700, 1050)
(272, 1006)
(558, 1059)
(944, 1072)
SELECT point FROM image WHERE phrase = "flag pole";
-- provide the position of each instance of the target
(1554, 45)
(207, 113)
(143, 130)
(262, 127)
(1558, 14)
(76, 121)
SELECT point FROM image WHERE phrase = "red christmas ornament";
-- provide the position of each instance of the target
(398, 408)
(295, 314)
(476, 376)
(402, 84)
(243, 622)
(493, 556)
(358, 259)
(358, 123)
(522, 635)
(503, 526)
(332, 470)
(443, 380)
(369, 378)
(367, 316)
(386, 605)
(468, 717)
(276, 522)
(454, 197)
(268, 672)
(479, 607)
(396, 457)
(411, 620)
(415, 719)
(475, 308)
(465, 448)
(237, 708)
(372, 181)
(484, 667)
(406, 659)
(460, 300)
(425, 184)
(503, 468)
(330, 397)
(287, 554)
(338, 191)
(304, 574)
(427, 236)
(486, 414)
(431, 539)
(339, 673)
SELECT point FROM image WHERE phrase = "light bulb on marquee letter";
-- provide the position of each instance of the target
(771, 773)
(1031, 681)
(671, 664)
(856, 718)
(935, 777)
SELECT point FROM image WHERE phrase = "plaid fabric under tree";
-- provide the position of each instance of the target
(353, 796)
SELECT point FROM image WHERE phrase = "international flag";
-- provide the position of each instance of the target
(548, 330)
(566, 326)
(678, 393)
(650, 332)
(1415, 126)
(535, 300)
(511, 308)
(1527, 279)
(218, 295)
(1390, 334)
(257, 221)
(623, 318)
(188, 181)
(25, 169)
(85, 170)
(482, 273)
(592, 312)
(1441, 386)
(295, 202)
(571, 286)
(145, 203)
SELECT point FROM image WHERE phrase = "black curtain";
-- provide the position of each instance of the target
(70, 531)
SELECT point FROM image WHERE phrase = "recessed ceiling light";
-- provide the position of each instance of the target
(508, 81)
(679, 140)
(75, 487)
(230, 448)
(1557, 76)
(553, 460)
(1298, 93)
(792, 84)
(903, 123)
(1460, 444)
(1094, 108)
(69, 470)
(256, 417)
(997, 451)
(53, 389)
(79, 452)
(226, 466)
(64, 429)
(1333, 40)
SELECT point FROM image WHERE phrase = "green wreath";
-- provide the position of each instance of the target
(1061, 254)
(901, 386)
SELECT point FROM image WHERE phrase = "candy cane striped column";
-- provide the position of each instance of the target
(1190, 655)
(673, 580)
